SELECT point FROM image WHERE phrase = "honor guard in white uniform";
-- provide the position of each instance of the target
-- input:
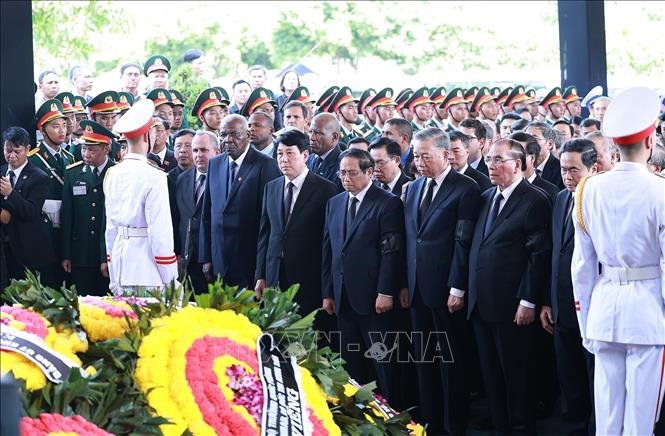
(139, 232)
(620, 227)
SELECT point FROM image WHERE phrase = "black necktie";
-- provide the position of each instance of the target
(317, 163)
(427, 200)
(539, 172)
(232, 175)
(57, 156)
(200, 185)
(568, 218)
(493, 213)
(351, 214)
(12, 178)
(385, 186)
(288, 199)
(95, 172)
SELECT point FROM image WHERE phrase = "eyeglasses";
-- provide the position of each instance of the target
(381, 163)
(496, 160)
(235, 134)
(352, 174)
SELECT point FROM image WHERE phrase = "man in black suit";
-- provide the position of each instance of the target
(476, 131)
(362, 266)
(188, 197)
(532, 150)
(231, 214)
(23, 190)
(557, 316)
(386, 155)
(547, 166)
(440, 211)
(324, 136)
(458, 157)
(401, 131)
(507, 271)
(160, 154)
(182, 151)
(291, 235)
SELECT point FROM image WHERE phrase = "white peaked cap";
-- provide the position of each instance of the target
(137, 120)
(632, 115)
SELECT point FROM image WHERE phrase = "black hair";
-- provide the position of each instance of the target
(532, 147)
(17, 136)
(519, 125)
(392, 147)
(281, 82)
(585, 147)
(511, 116)
(291, 137)
(365, 160)
(478, 127)
(588, 122)
(299, 104)
(183, 132)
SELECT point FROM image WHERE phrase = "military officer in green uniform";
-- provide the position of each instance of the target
(209, 108)
(400, 100)
(82, 215)
(367, 113)
(345, 108)
(156, 69)
(67, 100)
(104, 110)
(324, 100)
(422, 106)
(178, 115)
(125, 101)
(51, 158)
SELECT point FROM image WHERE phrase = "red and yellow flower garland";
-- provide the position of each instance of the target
(105, 317)
(182, 368)
(64, 342)
(55, 424)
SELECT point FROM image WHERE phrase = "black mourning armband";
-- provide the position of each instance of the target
(390, 243)
(464, 231)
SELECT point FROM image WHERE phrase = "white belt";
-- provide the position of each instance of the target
(625, 275)
(133, 232)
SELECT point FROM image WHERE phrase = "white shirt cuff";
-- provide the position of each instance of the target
(457, 292)
(385, 295)
(527, 304)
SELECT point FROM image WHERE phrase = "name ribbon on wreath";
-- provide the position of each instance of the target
(55, 366)
(284, 408)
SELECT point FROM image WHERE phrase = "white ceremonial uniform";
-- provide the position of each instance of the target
(139, 232)
(621, 311)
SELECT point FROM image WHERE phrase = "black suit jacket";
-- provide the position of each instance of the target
(437, 251)
(28, 240)
(188, 214)
(482, 167)
(329, 167)
(370, 259)
(549, 188)
(230, 224)
(406, 167)
(552, 172)
(511, 262)
(561, 296)
(481, 179)
(171, 181)
(397, 189)
(168, 163)
(294, 250)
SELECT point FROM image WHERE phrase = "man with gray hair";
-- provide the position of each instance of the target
(547, 165)
(440, 211)
(81, 78)
(608, 153)
(189, 190)
(231, 216)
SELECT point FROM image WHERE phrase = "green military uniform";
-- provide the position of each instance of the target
(75, 147)
(419, 97)
(258, 97)
(323, 101)
(53, 164)
(104, 103)
(83, 216)
(366, 127)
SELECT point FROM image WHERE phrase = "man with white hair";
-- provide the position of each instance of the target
(139, 232)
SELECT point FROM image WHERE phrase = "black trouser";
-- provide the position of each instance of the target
(505, 351)
(575, 368)
(89, 281)
(441, 367)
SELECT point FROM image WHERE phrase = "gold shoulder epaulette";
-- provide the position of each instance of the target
(34, 151)
(154, 165)
(75, 164)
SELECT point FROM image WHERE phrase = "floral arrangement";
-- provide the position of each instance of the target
(65, 342)
(55, 424)
(107, 317)
(166, 366)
